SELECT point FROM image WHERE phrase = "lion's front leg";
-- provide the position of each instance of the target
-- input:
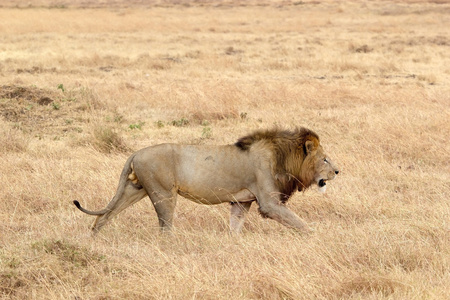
(237, 216)
(283, 215)
(271, 207)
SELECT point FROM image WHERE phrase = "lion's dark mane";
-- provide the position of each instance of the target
(289, 152)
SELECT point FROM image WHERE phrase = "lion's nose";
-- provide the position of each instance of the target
(336, 172)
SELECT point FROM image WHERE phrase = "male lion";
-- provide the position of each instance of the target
(266, 167)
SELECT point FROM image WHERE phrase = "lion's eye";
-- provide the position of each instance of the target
(325, 160)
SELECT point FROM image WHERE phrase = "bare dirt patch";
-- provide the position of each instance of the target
(39, 111)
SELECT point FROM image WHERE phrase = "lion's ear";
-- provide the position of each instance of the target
(309, 147)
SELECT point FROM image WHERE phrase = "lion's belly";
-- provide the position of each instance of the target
(217, 196)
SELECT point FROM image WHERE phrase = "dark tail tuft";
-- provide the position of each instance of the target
(77, 204)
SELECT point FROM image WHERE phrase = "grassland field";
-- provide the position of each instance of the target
(85, 83)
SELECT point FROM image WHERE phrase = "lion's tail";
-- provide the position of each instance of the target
(126, 172)
(90, 212)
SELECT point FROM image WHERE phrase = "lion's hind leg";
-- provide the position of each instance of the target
(164, 202)
(237, 215)
(123, 198)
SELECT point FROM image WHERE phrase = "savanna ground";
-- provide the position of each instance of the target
(84, 84)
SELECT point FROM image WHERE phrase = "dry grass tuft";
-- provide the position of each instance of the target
(367, 284)
(13, 140)
(106, 140)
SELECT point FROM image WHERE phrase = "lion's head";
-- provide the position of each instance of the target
(318, 165)
(299, 159)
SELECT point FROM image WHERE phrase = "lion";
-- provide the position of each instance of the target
(265, 167)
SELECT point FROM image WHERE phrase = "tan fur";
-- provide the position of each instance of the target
(266, 167)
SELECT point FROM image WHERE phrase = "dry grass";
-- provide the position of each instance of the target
(80, 89)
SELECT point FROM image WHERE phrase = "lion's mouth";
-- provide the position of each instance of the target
(322, 185)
